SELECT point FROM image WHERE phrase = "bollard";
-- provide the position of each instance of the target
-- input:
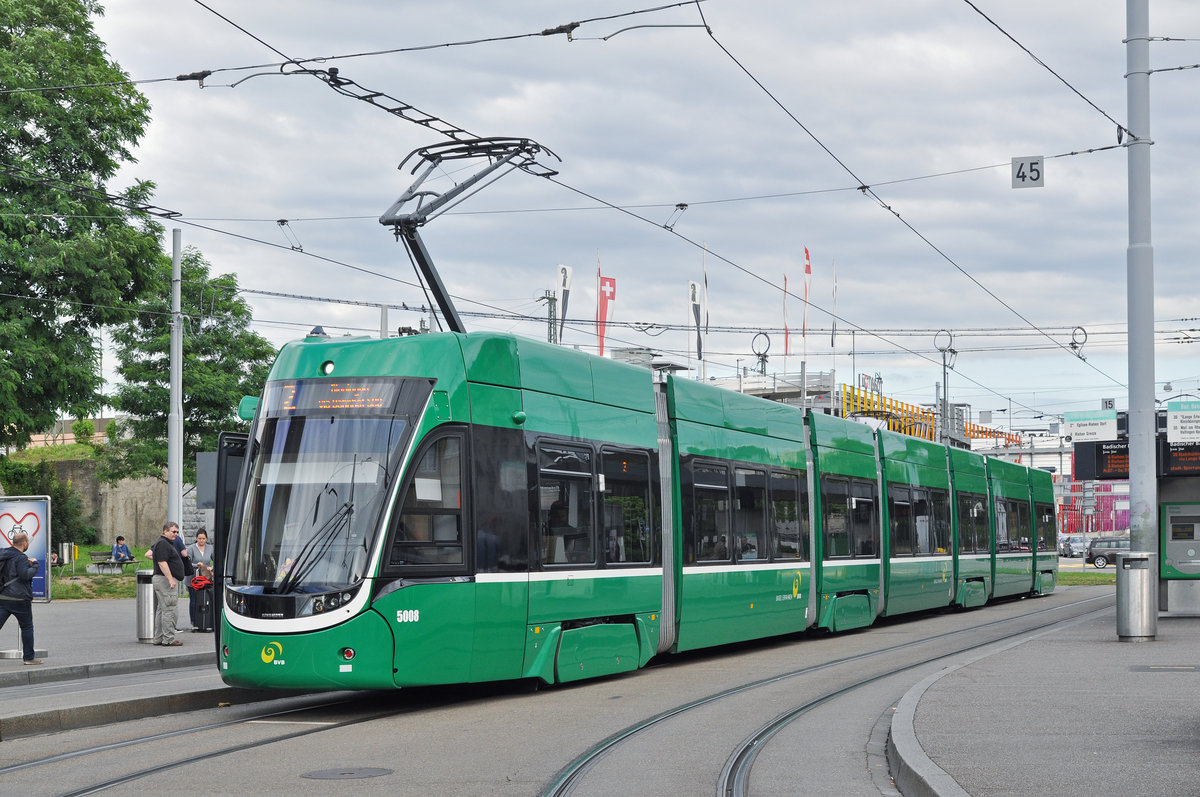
(1137, 599)
(145, 605)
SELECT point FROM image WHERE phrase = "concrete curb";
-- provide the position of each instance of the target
(63, 719)
(47, 674)
(915, 773)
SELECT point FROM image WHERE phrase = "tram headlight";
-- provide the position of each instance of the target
(346, 654)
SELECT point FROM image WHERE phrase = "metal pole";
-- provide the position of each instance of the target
(175, 415)
(383, 322)
(1143, 485)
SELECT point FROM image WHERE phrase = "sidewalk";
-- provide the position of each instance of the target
(1068, 712)
(96, 671)
(86, 638)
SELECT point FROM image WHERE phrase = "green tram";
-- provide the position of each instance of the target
(452, 508)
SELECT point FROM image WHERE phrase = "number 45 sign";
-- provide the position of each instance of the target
(1028, 172)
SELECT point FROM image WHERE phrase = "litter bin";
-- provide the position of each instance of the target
(145, 605)
(1137, 604)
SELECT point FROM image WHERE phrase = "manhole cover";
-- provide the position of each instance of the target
(349, 773)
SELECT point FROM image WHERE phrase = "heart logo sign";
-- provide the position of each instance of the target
(29, 523)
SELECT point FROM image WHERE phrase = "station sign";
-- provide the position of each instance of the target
(1088, 426)
(1183, 422)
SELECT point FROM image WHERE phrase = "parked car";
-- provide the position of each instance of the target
(1103, 551)
(1073, 545)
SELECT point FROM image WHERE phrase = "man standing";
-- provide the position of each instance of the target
(16, 591)
(168, 572)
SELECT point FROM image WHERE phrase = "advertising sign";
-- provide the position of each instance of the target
(30, 514)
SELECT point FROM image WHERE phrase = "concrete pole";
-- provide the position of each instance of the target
(1143, 484)
(384, 332)
(175, 414)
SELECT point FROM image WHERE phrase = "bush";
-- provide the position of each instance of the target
(83, 430)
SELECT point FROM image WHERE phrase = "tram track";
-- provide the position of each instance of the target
(734, 777)
(294, 715)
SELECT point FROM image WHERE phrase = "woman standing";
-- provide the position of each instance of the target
(200, 554)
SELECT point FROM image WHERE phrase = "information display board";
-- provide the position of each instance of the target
(1088, 426)
(1178, 459)
(1183, 422)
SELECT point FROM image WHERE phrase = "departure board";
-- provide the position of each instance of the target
(1180, 459)
(1112, 460)
(1107, 459)
(348, 396)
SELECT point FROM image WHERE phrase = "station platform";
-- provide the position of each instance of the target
(1068, 711)
(95, 670)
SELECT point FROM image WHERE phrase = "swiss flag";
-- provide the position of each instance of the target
(606, 297)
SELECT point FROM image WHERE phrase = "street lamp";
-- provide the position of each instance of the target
(943, 341)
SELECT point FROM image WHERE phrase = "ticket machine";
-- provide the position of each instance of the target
(1179, 529)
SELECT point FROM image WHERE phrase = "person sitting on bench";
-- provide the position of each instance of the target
(120, 551)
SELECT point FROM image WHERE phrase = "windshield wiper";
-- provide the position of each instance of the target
(315, 548)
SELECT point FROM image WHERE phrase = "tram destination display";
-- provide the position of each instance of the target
(357, 396)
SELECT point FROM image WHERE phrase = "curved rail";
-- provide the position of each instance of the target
(565, 781)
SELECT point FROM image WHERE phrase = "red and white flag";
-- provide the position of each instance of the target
(606, 297)
(807, 279)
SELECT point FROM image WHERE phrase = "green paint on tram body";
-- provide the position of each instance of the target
(517, 528)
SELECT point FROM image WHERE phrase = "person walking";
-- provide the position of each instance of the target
(16, 591)
(168, 567)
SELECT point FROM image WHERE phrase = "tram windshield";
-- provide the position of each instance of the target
(322, 470)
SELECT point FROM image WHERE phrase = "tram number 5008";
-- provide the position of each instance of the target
(408, 616)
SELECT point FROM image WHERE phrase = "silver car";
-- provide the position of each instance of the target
(1072, 545)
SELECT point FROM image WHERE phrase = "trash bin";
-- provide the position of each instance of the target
(146, 604)
(1137, 601)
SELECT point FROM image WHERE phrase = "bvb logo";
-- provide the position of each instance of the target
(271, 651)
(796, 586)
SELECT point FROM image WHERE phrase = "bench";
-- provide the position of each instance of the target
(103, 563)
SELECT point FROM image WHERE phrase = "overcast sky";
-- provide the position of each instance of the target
(866, 93)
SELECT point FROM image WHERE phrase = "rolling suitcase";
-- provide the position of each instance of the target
(202, 605)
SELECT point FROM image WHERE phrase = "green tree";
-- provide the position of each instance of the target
(70, 261)
(222, 362)
(66, 508)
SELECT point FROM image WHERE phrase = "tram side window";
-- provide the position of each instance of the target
(500, 496)
(1024, 535)
(900, 515)
(789, 517)
(627, 510)
(429, 529)
(564, 505)
(1046, 526)
(939, 522)
(710, 513)
(835, 495)
(750, 518)
(1005, 540)
(865, 528)
(972, 523)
